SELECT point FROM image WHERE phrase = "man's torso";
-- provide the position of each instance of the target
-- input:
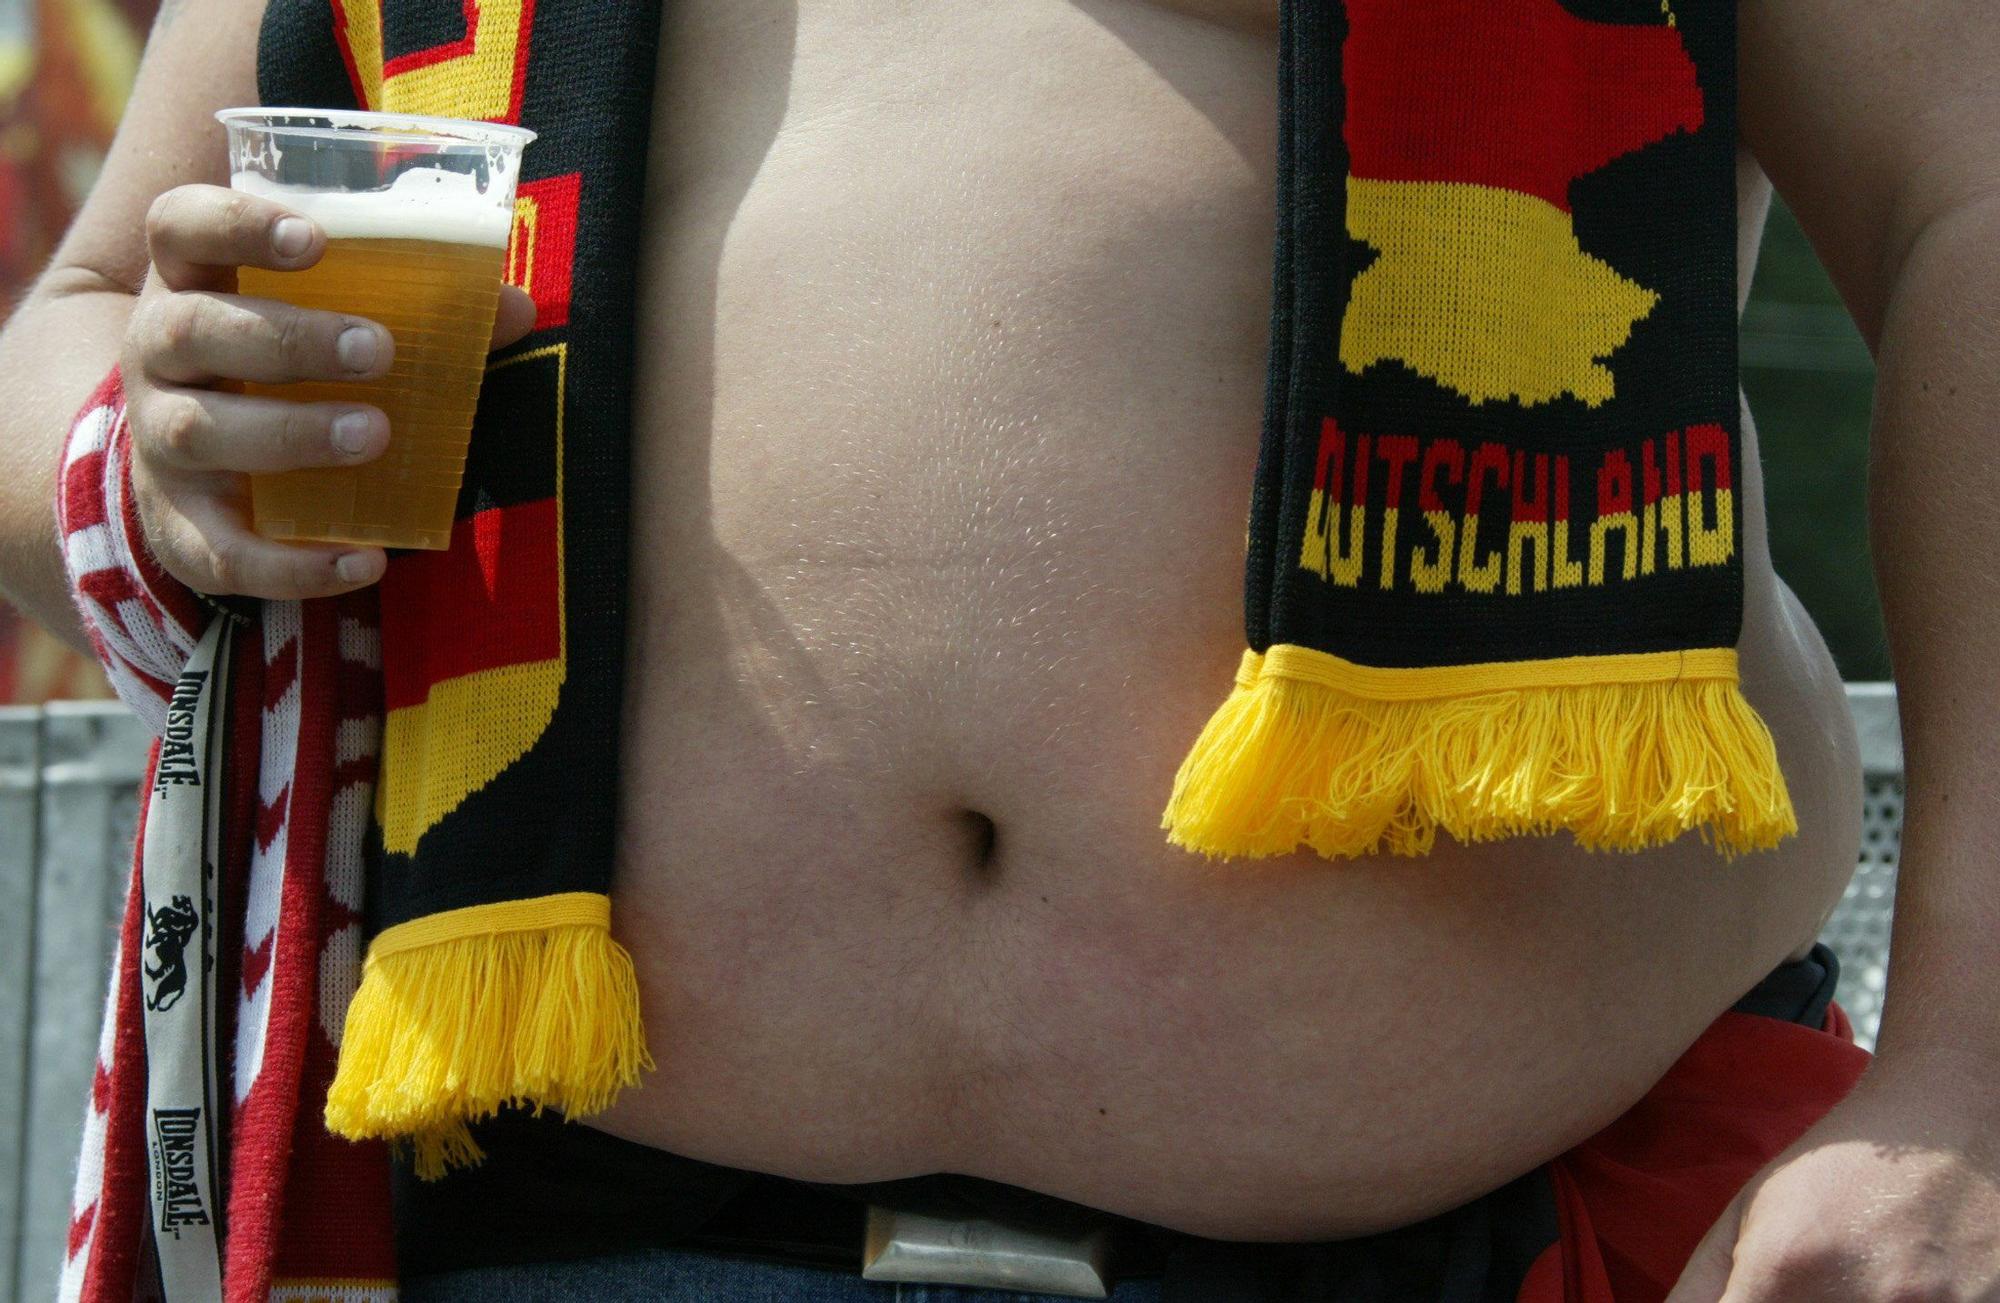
(951, 361)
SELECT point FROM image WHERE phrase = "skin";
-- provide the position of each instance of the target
(920, 479)
(1896, 1193)
(865, 747)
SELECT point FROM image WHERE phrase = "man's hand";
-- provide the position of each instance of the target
(195, 436)
(1893, 1197)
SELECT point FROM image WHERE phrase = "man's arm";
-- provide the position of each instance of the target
(63, 338)
(1880, 125)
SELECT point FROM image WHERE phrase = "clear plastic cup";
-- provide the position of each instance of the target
(417, 212)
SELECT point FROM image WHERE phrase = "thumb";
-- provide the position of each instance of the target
(1706, 1275)
(515, 318)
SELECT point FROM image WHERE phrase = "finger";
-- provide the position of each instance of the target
(201, 337)
(199, 234)
(1706, 1277)
(207, 430)
(226, 557)
(515, 318)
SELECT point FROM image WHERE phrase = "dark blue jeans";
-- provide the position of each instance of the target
(674, 1276)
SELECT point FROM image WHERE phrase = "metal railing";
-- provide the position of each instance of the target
(69, 782)
(69, 777)
(1859, 928)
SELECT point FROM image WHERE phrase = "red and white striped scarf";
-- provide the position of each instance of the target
(307, 1214)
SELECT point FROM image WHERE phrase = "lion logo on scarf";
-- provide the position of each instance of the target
(168, 931)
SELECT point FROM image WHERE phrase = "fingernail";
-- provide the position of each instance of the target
(355, 567)
(350, 432)
(291, 236)
(356, 348)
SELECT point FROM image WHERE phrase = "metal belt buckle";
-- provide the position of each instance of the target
(914, 1249)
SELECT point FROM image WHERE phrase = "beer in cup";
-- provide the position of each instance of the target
(417, 212)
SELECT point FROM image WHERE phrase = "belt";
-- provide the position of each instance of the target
(1080, 1254)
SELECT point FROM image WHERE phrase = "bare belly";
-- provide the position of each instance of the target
(951, 375)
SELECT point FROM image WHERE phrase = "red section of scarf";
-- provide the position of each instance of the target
(501, 577)
(120, 1222)
(262, 1131)
(340, 1225)
(543, 249)
(1524, 97)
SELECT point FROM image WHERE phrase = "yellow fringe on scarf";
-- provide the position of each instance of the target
(523, 1003)
(1624, 752)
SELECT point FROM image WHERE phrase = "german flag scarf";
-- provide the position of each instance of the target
(491, 977)
(1495, 554)
(1494, 587)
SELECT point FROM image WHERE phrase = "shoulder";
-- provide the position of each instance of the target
(1872, 120)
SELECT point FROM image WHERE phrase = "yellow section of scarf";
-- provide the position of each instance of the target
(520, 1003)
(1623, 752)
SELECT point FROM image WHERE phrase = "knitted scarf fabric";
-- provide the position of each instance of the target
(1495, 554)
(491, 976)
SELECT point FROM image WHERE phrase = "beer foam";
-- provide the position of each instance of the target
(423, 203)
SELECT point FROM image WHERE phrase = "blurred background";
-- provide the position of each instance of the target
(65, 66)
(1810, 382)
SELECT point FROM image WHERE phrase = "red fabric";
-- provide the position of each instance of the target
(543, 250)
(502, 576)
(303, 1206)
(142, 624)
(79, 491)
(119, 1221)
(1635, 1199)
(167, 597)
(1528, 95)
(265, 1119)
(348, 1229)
